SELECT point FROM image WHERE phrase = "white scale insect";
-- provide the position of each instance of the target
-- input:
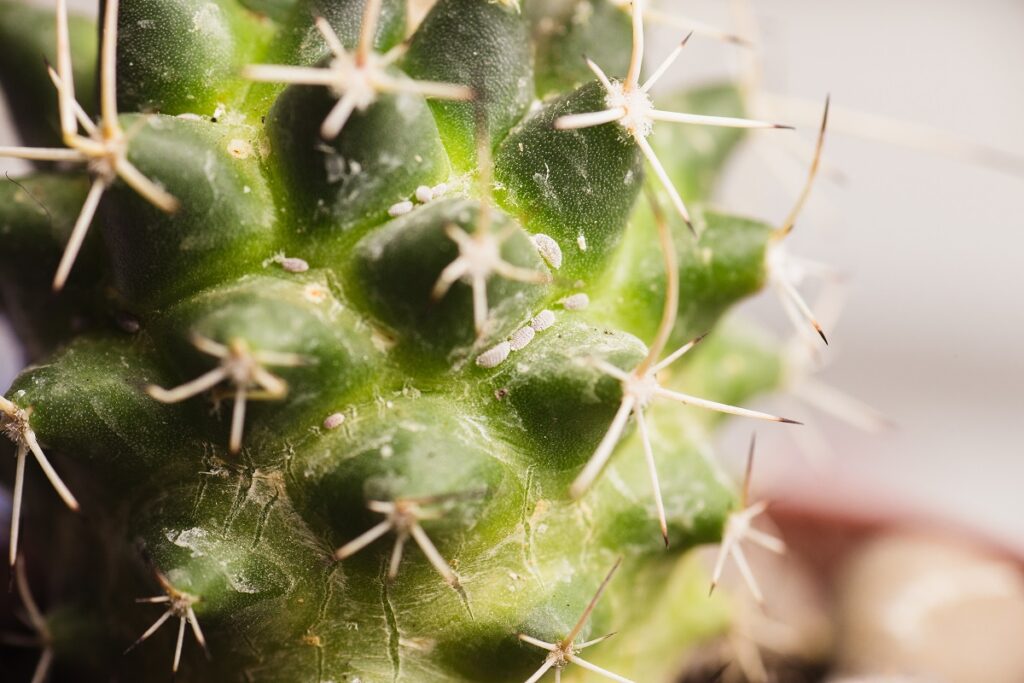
(630, 105)
(14, 422)
(566, 651)
(241, 366)
(498, 354)
(356, 78)
(480, 253)
(104, 147)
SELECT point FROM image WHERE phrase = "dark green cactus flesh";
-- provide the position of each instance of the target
(238, 387)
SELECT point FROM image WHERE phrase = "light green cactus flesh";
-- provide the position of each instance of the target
(299, 278)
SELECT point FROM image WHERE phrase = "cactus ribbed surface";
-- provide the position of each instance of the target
(355, 287)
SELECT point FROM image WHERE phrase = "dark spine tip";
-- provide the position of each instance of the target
(821, 334)
(783, 126)
(786, 420)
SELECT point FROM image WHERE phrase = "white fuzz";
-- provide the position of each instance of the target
(637, 107)
(575, 302)
(581, 242)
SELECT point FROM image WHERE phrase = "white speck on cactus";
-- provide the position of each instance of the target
(424, 194)
(521, 337)
(294, 265)
(581, 241)
(494, 356)
(543, 320)
(400, 209)
(291, 264)
(575, 302)
(334, 420)
(548, 249)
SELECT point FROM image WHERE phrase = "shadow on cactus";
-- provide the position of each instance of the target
(353, 401)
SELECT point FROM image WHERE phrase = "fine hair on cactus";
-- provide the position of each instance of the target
(377, 340)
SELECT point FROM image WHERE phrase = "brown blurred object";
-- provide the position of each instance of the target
(915, 604)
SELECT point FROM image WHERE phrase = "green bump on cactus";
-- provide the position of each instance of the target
(338, 409)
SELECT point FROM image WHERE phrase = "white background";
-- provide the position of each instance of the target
(931, 333)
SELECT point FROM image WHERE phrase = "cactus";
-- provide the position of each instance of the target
(356, 363)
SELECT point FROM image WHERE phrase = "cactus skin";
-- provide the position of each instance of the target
(252, 535)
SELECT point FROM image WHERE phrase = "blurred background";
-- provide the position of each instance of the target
(931, 247)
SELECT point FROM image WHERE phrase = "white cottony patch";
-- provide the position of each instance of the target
(636, 105)
(549, 250)
(581, 241)
(400, 209)
(542, 320)
(438, 190)
(334, 420)
(494, 356)
(575, 302)
(424, 194)
(521, 337)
